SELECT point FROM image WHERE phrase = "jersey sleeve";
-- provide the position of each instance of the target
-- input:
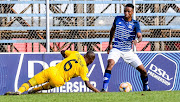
(83, 73)
(68, 52)
(138, 29)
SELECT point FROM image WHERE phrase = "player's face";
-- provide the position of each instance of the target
(128, 11)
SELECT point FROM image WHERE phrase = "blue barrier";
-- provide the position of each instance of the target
(86, 27)
(89, 2)
(82, 40)
(163, 69)
(88, 14)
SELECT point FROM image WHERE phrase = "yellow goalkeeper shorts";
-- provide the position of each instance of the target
(50, 75)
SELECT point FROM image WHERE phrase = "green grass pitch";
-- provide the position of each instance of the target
(151, 96)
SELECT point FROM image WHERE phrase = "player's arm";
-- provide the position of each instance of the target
(83, 74)
(138, 33)
(63, 53)
(112, 31)
(139, 36)
(91, 86)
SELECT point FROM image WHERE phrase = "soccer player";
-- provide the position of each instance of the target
(124, 31)
(73, 65)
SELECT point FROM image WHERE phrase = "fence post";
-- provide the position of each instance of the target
(47, 27)
(134, 17)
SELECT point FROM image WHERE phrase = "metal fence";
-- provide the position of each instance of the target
(84, 24)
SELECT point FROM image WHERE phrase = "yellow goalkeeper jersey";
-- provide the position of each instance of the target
(73, 66)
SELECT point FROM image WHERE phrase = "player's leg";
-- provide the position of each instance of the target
(44, 87)
(24, 87)
(136, 63)
(107, 74)
(144, 77)
(48, 86)
(113, 57)
(39, 78)
(54, 80)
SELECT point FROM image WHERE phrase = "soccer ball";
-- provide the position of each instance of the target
(125, 87)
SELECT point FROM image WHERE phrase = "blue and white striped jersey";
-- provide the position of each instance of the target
(125, 32)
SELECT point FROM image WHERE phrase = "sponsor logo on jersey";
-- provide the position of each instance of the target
(130, 26)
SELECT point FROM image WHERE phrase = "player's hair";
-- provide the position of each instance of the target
(130, 5)
(90, 55)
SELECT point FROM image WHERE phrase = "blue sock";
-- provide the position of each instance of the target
(107, 77)
(145, 83)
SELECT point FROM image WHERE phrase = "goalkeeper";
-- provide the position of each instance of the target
(73, 65)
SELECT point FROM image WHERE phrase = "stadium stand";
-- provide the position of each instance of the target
(84, 24)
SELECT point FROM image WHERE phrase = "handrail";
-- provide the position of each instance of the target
(82, 40)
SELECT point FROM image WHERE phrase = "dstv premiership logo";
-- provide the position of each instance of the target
(161, 71)
(159, 74)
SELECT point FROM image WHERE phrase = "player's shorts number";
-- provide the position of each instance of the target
(70, 65)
